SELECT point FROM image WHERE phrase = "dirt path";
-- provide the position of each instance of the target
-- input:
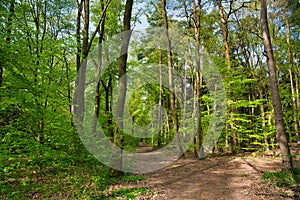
(218, 178)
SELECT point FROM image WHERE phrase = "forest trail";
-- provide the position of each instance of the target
(226, 177)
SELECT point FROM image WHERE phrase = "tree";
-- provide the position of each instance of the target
(281, 135)
(117, 156)
(198, 76)
(82, 60)
(224, 28)
(101, 32)
(171, 84)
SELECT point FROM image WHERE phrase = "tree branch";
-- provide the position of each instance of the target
(231, 10)
(98, 25)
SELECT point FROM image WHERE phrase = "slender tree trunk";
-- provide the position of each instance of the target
(171, 85)
(224, 28)
(98, 82)
(78, 34)
(295, 113)
(9, 20)
(82, 69)
(186, 71)
(117, 157)
(291, 62)
(297, 98)
(185, 68)
(9, 31)
(297, 75)
(281, 135)
(108, 97)
(78, 100)
(198, 77)
(160, 98)
(36, 13)
(86, 28)
(69, 86)
(263, 121)
(167, 127)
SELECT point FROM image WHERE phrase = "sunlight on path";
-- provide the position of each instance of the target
(215, 178)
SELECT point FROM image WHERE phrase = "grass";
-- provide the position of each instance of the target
(123, 193)
(61, 177)
(288, 182)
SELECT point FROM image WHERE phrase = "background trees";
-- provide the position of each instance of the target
(44, 44)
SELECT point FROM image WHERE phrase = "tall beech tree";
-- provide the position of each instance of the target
(122, 85)
(82, 56)
(276, 102)
(101, 33)
(292, 74)
(171, 83)
(198, 76)
(224, 28)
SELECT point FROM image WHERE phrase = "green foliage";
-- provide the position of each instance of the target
(41, 153)
(290, 180)
(62, 175)
(127, 193)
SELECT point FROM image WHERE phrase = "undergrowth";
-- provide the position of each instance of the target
(288, 182)
(60, 176)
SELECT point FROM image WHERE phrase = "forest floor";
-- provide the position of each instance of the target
(220, 177)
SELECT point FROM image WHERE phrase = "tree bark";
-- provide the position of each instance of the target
(9, 20)
(78, 34)
(198, 77)
(78, 100)
(281, 135)
(297, 98)
(79, 108)
(159, 137)
(171, 84)
(291, 66)
(117, 157)
(224, 28)
(263, 121)
(98, 82)
(69, 85)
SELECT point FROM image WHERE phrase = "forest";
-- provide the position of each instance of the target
(154, 99)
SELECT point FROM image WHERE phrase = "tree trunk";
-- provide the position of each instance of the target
(224, 28)
(171, 85)
(198, 77)
(297, 74)
(281, 135)
(108, 109)
(117, 157)
(78, 100)
(69, 85)
(98, 96)
(78, 35)
(9, 32)
(9, 21)
(159, 142)
(291, 62)
(297, 99)
(263, 121)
